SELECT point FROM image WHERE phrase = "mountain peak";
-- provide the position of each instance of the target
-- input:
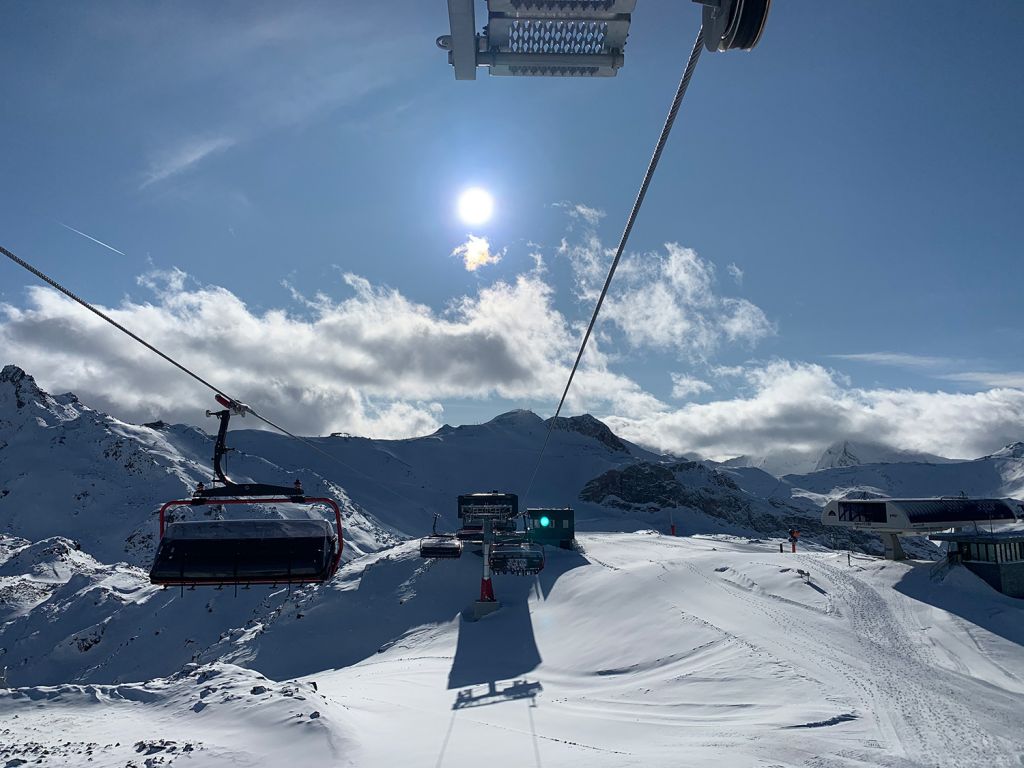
(518, 417)
(849, 453)
(24, 386)
(589, 426)
(12, 373)
(1012, 451)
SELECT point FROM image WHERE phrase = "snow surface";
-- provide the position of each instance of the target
(644, 650)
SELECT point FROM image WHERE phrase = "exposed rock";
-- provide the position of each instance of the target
(24, 386)
(591, 427)
(694, 485)
(656, 485)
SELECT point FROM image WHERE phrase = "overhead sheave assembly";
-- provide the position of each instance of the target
(733, 25)
(575, 38)
(499, 509)
(252, 551)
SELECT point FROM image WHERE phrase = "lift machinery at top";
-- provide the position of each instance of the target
(260, 551)
(575, 38)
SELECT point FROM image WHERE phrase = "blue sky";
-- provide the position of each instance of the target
(851, 189)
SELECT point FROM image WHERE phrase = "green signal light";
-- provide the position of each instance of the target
(545, 521)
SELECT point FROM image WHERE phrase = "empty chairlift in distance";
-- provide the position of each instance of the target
(249, 551)
(440, 545)
(519, 558)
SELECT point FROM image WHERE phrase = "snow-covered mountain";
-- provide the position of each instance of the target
(848, 453)
(1000, 475)
(595, 661)
(778, 463)
(68, 470)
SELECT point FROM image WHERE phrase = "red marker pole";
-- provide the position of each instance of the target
(671, 524)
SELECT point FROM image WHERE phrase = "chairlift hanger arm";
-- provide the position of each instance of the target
(220, 449)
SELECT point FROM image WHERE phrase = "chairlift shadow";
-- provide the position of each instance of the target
(494, 693)
(502, 646)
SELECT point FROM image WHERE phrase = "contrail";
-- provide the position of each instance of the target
(99, 242)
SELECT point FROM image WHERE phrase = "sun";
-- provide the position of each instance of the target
(475, 205)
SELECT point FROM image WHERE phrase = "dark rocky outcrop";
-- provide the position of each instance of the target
(692, 485)
(591, 427)
(24, 387)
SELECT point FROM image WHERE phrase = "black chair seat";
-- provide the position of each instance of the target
(245, 552)
(440, 547)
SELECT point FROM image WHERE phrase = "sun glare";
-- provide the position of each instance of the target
(475, 206)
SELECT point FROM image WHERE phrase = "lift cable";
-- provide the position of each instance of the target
(244, 408)
(684, 82)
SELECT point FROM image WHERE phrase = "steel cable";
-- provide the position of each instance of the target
(50, 281)
(670, 119)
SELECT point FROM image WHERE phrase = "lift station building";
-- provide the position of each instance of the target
(556, 527)
(996, 557)
(891, 517)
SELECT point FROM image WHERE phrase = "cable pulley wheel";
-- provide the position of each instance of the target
(734, 24)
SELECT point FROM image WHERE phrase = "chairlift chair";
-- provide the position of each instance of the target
(472, 533)
(440, 545)
(519, 558)
(251, 551)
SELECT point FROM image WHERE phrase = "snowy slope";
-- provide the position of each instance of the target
(645, 650)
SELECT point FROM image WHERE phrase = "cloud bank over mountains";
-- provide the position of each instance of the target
(373, 362)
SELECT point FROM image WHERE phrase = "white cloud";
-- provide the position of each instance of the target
(899, 359)
(665, 301)
(580, 212)
(171, 162)
(727, 371)
(989, 378)
(804, 407)
(736, 273)
(378, 364)
(373, 363)
(683, 386)
(261, 69)
(365, 359)
(476, 252)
